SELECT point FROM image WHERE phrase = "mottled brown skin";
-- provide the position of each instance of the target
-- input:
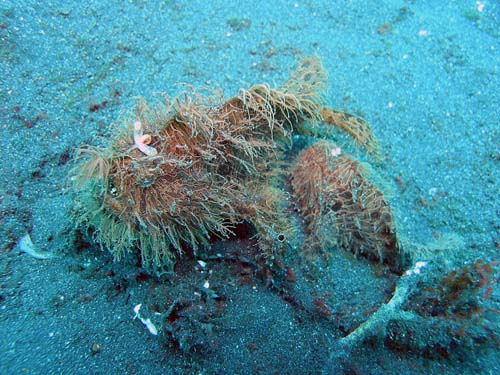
(179, 173)
(342, 207)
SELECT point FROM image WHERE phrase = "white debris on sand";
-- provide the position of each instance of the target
(27, 246)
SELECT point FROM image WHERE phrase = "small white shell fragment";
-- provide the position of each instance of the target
(147, 322)
(136, 309)
(202, 263)
(420, 264)
(336, 152)
(27, 246)
(416, 270)
(150, 326)
(206, 285)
